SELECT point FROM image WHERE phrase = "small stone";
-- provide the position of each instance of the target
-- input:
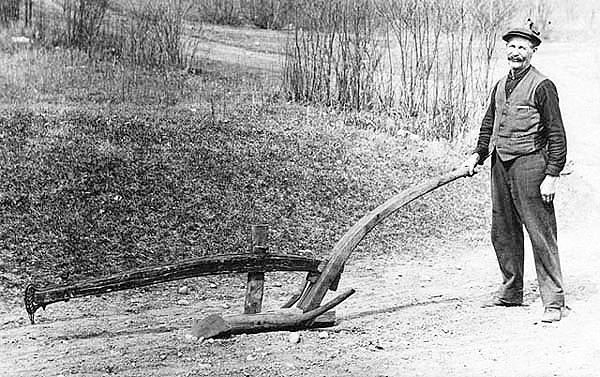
(294, 337)
(213, 285)
(250, 358)
(179, 354)
(190, 338)
(377, 347)
(225, 306)
(183, 302)
(184, 290)
(323, 335)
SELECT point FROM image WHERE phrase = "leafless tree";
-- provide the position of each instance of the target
(333, 54)
(83, 20)
(435, 64)
(9, 11)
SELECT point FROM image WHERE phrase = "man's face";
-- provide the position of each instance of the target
(519, 53)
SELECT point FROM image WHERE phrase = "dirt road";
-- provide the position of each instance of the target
(409, 317)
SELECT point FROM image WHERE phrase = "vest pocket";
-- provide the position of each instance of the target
(517, 143)
(520, 135)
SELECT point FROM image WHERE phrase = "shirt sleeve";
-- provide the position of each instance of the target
(546, 101)
(487, 126)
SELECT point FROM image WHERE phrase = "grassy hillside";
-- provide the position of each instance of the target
(90, 188)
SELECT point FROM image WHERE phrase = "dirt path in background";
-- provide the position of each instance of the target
(238, 55)
(408, 318)
(250, 50)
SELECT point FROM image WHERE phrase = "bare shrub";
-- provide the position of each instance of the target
(69, 24)
(28, 12)
(490, 19)
(154, 31)
(9, 11)
(265, 14)
(139, 32)
(436, 64)
(424, 60)
(130, 54)
(333, 55)
(222, 12)
(268, 14)
(82, 22)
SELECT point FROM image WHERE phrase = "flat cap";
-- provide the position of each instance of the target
(523, 33)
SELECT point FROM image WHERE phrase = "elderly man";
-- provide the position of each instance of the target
(523, 133)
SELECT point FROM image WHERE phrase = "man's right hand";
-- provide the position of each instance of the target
(471, 163)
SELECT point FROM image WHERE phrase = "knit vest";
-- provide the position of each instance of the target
(517, 128)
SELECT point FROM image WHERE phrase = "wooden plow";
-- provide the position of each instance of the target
(255, 264)
(321, 276)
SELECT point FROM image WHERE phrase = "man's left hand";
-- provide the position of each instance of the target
(548, 188)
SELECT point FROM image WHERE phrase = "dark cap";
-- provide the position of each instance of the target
(523, 33)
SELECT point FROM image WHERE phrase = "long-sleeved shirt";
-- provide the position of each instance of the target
(546, 102)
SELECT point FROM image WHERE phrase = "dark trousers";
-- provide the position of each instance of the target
(516, 201)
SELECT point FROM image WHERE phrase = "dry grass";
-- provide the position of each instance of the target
(33, 75)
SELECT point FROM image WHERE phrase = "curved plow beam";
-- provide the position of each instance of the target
(344, 247)
(217, 264)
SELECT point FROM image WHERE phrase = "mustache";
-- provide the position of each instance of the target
(516, 58)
